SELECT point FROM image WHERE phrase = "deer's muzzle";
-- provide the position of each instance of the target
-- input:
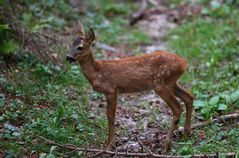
(70, 59)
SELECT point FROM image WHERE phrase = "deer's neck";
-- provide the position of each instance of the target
(88, 66)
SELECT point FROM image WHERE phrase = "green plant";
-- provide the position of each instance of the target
(214, 43)
(216, 104)
(52, 103)
(8, 44)
(53, 17)
(219, 9)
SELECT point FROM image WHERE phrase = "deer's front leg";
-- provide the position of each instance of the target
(111, 112)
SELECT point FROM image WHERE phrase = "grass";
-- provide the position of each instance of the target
(211, 47)
(210, 139)
(52, 103)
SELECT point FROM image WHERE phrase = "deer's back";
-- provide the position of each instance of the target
(143, 72)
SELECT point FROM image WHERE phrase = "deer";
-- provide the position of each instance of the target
(158, 71)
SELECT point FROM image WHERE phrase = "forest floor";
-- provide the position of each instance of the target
(57, 103)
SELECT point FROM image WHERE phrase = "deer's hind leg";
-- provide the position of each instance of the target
(168, 96)
(187, 98)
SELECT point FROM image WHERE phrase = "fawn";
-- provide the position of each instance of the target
(158, 71)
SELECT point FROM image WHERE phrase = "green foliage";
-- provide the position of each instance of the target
(116, 9)
(211, 48)
(53, 16)
(214, 79)
(1, 100)
(8, 47)
(217, 103)
(8, 44)
(210, 139)
(110, 7)
(186, 148)
(217, 9)
(54, 105)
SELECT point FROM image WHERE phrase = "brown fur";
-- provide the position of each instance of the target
(158, 71)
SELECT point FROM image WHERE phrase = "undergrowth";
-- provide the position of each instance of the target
(48, 101)
(210, 44)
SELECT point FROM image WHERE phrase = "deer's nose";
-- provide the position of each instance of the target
(70, 59)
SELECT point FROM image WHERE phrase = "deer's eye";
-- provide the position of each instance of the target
(79, 48)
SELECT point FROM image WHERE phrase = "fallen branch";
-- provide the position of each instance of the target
(126, 154)
(140, 14)
(173, 14)
(220, 119)
(107, 47)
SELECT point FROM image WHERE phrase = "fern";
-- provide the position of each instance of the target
(8, 47)
(8, 44)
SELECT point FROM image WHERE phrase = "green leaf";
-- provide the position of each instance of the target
(235, 95)
(215, 5)
(226, 97)
(39, 27)
(222, 107)
(42, 155)
(214, 100)
(185, 150)
(49, 3)
(16, 134)
(1, 102)
(52, 149)
(79, 153)
(1, 2)
(1, 118)
(6, 136)
(199, 103)
(8, 47)
(207, 112)
(205, 11)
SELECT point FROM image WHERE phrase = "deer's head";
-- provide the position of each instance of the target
(80, 47)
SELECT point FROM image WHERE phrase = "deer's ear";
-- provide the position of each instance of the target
(79, 29)
(90, 36)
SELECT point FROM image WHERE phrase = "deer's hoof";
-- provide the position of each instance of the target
(166, 147)
(186, 134)
(110, 147)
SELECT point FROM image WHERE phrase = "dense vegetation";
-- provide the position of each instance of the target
(53, 101)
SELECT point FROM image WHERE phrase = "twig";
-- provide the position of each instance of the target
(107, 47)
(149, 151)
(71, 152)
(140, 14)
(97, 154)
(211, 139)
(126, 154)
(116, 152)
(220, 119)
